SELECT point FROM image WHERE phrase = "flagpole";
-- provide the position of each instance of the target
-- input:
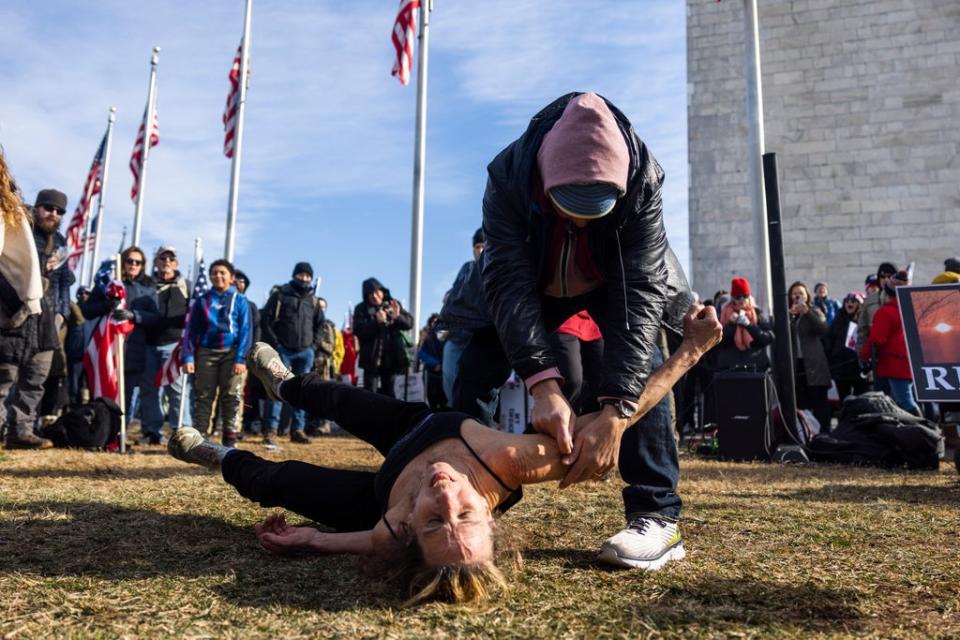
(238, 137)
(183, 374)
(147, 132)
(111, 118)
(419, 159)
(121, 387)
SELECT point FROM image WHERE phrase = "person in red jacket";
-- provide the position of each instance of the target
(886, 336)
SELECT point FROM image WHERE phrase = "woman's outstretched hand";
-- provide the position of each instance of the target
(276, 536)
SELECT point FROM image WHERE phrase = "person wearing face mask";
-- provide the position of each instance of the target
(430, 513)
(887, 343)
(293, 321)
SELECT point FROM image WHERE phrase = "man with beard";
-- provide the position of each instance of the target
(51, 247)
(292, 320)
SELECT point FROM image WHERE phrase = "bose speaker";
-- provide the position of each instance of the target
(742, 402)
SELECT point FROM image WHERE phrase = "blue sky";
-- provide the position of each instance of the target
(327, 168)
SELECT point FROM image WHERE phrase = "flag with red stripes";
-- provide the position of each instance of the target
(100, 357)
(404, 33)
(78, 222)
(136, 159)
(170, 370)
(233, 104)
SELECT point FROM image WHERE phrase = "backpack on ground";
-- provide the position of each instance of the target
(873, 430)
(89, 426)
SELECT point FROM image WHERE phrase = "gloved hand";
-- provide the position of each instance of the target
(743, 320)
(122, 314)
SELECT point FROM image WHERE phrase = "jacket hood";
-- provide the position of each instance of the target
(518, 161)
(372, 284)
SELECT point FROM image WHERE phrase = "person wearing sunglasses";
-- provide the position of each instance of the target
(48, 211)
(142, 310)
(746, 333)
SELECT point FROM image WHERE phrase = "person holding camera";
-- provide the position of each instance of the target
(379, 322)
(808, 326)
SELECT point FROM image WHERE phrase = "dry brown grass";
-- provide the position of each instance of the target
(99, 545)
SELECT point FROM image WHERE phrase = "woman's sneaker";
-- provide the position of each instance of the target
(265, 363)
(648, 542)
(189, 445)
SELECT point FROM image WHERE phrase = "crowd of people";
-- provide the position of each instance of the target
(572, 287)
(840, 347)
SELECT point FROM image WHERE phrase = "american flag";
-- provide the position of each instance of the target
(136, 160)
(100, 357)
(78, 222)
(170, 370)
(233, 103)
(404, 33)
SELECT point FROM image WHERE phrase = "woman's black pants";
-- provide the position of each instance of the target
(342, 499)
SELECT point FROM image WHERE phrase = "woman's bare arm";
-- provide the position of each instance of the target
(277, 536)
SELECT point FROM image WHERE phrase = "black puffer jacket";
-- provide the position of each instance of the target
(645, 285)
(292, 318)
(382, 346)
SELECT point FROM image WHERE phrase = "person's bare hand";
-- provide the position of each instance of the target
(276, 536)
(553, 415)
(189, 367)
(596, 448)
(701, 328)
(802, 308)
(239, 369)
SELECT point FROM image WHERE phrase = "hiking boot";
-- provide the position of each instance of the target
(188, 445)
(299, 437)
(230, 440)
(27, 441)
(648, 542)
(270, 438)
(265, 363)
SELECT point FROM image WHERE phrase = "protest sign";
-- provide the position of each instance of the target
(931, 327)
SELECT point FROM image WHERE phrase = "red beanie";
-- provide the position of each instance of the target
(739, 287)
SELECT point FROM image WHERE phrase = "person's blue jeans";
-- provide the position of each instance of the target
(902, 393)
(148, 397)
(157, 355)
(453, 348)
(300, 362)
(649, 463)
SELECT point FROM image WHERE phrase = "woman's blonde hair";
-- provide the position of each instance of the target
(10, 203)
(454, 583)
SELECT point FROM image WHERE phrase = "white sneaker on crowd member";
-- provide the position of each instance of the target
(648, 542)
(189, 445)
(265, 363)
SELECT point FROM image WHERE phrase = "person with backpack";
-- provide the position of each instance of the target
(293, 321)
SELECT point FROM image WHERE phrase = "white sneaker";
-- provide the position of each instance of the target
(648, 542)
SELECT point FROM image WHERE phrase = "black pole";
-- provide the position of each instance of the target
(783, 345)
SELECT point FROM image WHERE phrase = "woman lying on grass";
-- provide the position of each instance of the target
(430, 511)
